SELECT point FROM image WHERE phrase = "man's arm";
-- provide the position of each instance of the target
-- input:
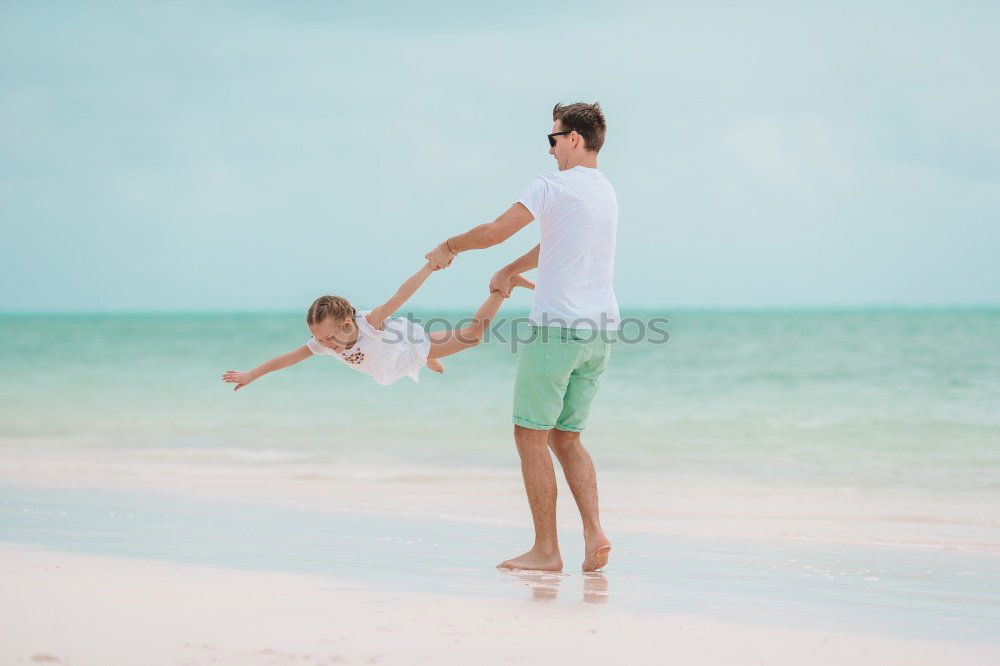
(378, 315)
(483, 236)
(526, 262)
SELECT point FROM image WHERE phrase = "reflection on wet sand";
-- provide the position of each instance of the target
(595, 588)
(545, 585)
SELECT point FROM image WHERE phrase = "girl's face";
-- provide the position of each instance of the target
(334, 334)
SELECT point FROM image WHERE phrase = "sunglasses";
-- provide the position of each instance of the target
(552, 140)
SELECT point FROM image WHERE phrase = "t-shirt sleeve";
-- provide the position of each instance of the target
(366, 328)
(536, 197)
(315, 347)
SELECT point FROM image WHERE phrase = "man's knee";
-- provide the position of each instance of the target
(563, 441)
(528, 437)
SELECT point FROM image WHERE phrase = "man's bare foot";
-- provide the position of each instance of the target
(534, 561)
(435, 365)
(597, 551)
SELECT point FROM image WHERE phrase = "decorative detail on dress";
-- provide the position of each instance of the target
(355, 357)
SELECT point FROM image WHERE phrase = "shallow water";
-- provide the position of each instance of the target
(930, 594)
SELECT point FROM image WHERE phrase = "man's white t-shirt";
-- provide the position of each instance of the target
(578, 213)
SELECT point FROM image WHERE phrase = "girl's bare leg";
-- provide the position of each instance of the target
(446, 343)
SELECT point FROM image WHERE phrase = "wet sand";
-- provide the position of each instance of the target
(68, 608)
(115, 558)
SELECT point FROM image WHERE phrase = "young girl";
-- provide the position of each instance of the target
(372, 342)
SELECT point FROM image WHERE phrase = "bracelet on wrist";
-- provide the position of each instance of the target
(447, 244)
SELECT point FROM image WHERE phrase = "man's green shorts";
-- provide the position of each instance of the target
(558, 371)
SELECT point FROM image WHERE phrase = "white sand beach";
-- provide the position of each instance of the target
(126, 558)
(64, 608)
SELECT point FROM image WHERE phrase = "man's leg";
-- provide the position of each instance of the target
(582, 480)
(576, 462)
(540, 485)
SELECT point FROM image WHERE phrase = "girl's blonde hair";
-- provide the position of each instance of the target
(328, 306)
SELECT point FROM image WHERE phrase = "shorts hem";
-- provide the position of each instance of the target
(566, 428)
(531, 425)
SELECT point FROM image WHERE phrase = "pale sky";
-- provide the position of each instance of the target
(252, 156)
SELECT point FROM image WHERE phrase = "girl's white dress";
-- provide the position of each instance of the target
(388, 355)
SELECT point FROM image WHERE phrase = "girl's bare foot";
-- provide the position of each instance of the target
(435, 365)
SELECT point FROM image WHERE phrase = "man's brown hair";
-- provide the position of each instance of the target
(586, 119)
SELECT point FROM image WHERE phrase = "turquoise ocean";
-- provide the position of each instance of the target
(908, 399)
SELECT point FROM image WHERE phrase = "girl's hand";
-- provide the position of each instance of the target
(502, 281)
(441, 256)
(241, 379)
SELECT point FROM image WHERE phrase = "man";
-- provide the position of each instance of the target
(574, 303)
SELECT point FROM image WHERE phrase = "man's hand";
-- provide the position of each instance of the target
(440, 257)
(241, 379)
(502, 281)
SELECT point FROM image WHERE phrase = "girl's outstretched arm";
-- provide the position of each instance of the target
(378, 315)
(241, 379)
